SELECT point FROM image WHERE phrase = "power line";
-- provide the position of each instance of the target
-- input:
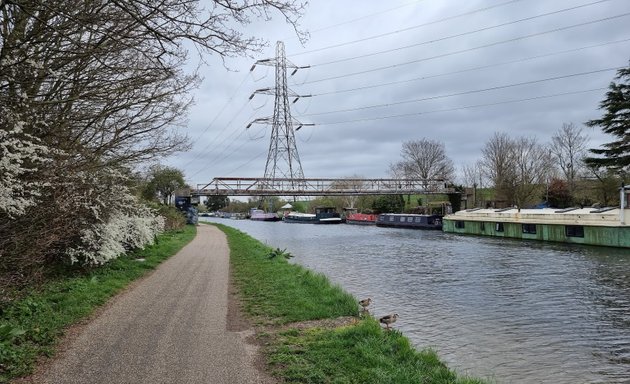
(379, 13)
(215, 119)
(408, 28)
(248, 162)
(470, 49)
(462, 108)
(224, 148)
(459, 35)
(472, 68)
(467, 92)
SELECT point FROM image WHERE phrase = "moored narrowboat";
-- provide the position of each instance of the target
(409, 220)
(322, 215)
(260, 215)
(361, 219)
(607, 226)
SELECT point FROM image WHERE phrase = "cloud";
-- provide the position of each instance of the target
(367, 143)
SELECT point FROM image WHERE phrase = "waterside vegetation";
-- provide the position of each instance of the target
(311, 329)
(31, 326)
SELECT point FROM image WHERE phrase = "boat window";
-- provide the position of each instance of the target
(410, 219)
(529, 228)
(459, 224)
(574, 231)
(499, 227)
(391, 218)
(418, 219)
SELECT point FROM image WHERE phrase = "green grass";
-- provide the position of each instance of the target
(31, 326)
(274, 291)
(360, 353)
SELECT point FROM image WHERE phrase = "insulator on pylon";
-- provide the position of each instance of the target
(283, 160)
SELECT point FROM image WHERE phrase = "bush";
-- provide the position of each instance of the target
(173, 218)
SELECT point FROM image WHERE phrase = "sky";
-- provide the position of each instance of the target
(383, 73)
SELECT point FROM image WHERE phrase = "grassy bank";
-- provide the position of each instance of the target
(31, 326)
(288, 296)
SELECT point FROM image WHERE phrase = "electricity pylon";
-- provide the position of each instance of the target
(283, 160)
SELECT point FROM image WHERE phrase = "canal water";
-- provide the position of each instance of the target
(506, 310)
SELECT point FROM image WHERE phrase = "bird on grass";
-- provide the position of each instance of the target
(388, 319)
(365, 303)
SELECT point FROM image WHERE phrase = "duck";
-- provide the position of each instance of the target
(365, 303)
(388, 319)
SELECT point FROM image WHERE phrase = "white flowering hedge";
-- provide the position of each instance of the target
(114, 222)
(82, 217)
(122, 232)
(20, 156)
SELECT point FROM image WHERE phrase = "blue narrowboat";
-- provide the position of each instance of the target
(409, 220)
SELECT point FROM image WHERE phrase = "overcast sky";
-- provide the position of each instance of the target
(383, 73)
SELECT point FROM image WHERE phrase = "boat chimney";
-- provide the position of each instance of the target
(624, 197)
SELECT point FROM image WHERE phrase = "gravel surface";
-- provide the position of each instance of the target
(172, 327)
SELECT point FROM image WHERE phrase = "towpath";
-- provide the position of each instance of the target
(171, 327)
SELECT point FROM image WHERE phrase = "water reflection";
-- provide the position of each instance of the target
(514, 311)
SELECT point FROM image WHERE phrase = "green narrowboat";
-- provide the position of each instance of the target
(592, 226)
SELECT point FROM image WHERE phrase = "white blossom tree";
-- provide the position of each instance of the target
(88, 91)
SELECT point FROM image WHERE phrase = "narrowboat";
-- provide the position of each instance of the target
(409, 220)
(322, 215)
(361, 219)
(260, 215)
(591, 226)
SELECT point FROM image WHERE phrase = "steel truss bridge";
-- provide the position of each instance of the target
(242, 186)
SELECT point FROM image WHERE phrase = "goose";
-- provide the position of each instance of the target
(389, 319)
(365, 303)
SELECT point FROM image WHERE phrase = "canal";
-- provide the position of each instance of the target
(510, 311)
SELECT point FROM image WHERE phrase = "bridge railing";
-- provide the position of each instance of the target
(241, 186)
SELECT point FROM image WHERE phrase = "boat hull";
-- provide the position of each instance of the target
(585, 226)
(274, 218)
(411, 221)
(361, 219)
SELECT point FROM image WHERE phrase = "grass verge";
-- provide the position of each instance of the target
(275, 292)
(30, 327)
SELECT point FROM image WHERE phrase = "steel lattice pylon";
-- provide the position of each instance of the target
(283, 160)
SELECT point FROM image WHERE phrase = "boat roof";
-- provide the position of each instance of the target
(407, 214)
(607, 216)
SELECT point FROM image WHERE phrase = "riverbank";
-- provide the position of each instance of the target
(310, 329)
(32, 326)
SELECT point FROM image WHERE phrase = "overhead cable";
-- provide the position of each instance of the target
(408, 28)
(470, 49)
(466, 92)
(471, 68)
(462, 108)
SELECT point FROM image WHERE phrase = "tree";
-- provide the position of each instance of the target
(472, 175)
(533, 165)
(616, 122)
(519, 168)
(568, 149)
(88, 92)
(605, 190)
(352, 183)
(163, 182)
(389, 204)
(498, 165)
(425, 160)
(558, 194)
(216, 203)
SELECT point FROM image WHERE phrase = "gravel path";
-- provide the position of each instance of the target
(169, 328)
